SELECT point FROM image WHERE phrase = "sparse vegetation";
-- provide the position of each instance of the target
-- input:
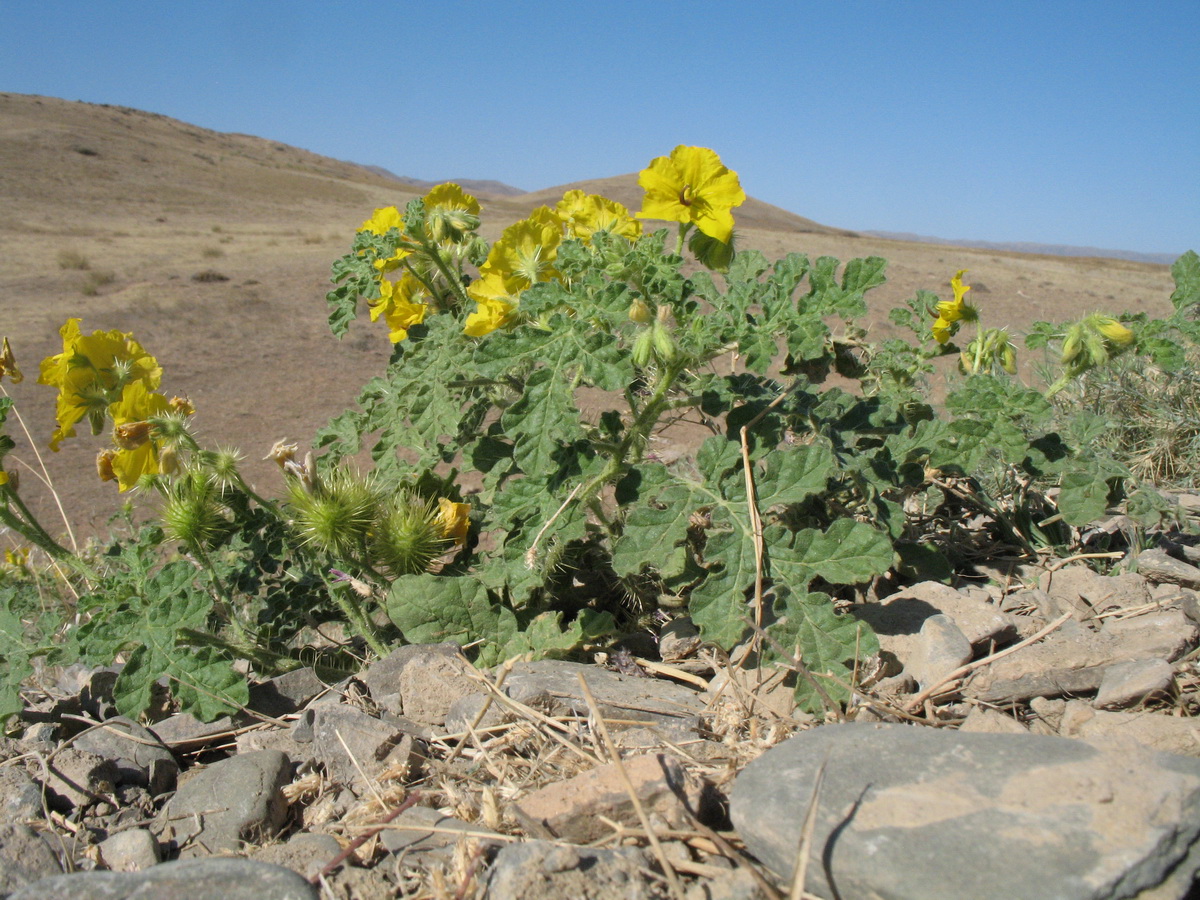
(209, 276)
(73, 260)
(96, 279)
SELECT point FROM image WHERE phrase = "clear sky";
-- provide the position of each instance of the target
(1051, 121)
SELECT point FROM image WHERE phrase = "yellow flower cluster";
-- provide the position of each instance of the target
(108, 374)
(953, 311)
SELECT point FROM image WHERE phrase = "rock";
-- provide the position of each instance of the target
(1058, 665)
(78, 779)
(552, 686)
(1089, 593)
(430, 684)
(219, 878)
(463, 712)
(574, 810)
(1166, 733)
(382, 678)
(1160, 568)
(285, 693)
(679, 639)
(25, 858)
(904, 612)
(930, 814)
(410, 832)
(237, 799)
(991, 721)
(940, 648)
(538, 870)
(183, 731)
(130, 851)
(356, 748)
(1130, 683)
(20, 797)
(140, 757)
(305, 852)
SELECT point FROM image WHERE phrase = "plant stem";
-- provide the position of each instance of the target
(355, 617)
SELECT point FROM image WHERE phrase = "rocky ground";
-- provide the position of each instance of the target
(1032, 736)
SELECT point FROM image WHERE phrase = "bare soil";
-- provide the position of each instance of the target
(219, 247)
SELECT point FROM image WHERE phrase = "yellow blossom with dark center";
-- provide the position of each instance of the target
(693, 187)
(402, 304)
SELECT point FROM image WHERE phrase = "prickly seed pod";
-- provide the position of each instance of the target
(643, 348)
(664, 344)
(192, 512)
(337, 514)
(409, 535)
(1008, 359)
(1072, 344)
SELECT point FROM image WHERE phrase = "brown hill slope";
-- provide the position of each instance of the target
(214, 250)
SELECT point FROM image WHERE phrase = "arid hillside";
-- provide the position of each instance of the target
(214, 249)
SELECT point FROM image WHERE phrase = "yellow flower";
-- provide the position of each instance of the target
(951, 311)
(490, 315)
(1110, 329)
(384, 220)
(526, 250)
(454, 520)
(585, 214)
(450, 213)
(90, 372)
(137, 452)
(693, 187)
(401, 304)
(8, 365)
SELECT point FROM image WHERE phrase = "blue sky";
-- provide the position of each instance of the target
(1049, 121)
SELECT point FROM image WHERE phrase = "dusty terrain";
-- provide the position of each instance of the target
(155, 207)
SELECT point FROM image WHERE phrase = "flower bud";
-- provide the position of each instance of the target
(664, 344)
(640, 312)
(1111, 329)
(643, 348)
(1008, 359)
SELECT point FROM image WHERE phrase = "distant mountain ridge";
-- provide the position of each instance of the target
(1028, 247)
(471, 185)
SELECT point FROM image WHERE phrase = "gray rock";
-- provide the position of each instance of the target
(679, 639)
(140, 757)
(904, 612)
(25, 858)
(1090, 593)
(237, 799)
(285, 693)
(1130, 683)
(991, 721)
(219, 878)
(1075, 664)
(430, 684)
(354, 746)
(940, 648)
(928, 814)
(1160, 568)
(183, 730)
(20, 798)
(306, 852)
(78, 779)
(382, 678)
(421, 829)
(539, 870)
(552, 686)
(1169, 734)
(130, 851)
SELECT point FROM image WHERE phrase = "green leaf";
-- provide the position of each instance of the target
(827, 643)
(1084, 491)
(1186, 272)
(848, 552)
(719, 604)
(657, 524)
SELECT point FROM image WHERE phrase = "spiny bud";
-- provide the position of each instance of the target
(643, 348)
(1008, 359)
(664, 344)
(1111, 329)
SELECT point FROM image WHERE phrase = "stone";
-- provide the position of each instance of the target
(928, 814)
(421, 829)
(237, 799)
(20, 797)
(574, 810)
(904, 612)
(357, 748)
(25, 858)
(1061, 666)
(78, 779)
(1089, 593)
(130, 851)
(432, 682)
(184, 731)
(991, 721)
(286, 693)
(1130, 683)
(139, 755)
(1169, 734)
(940, 648)
(679, 639)
(1160, 568)
(382, 678)
(305, 852)
(219, 878)
(552, 686)
(539, 870)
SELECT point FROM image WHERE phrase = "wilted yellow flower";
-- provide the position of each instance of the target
(1111, 329)
(585, 214)
(8, 365)
(454, 519)
(951, 311)
(137, 452)
(90, 372)
(402, 305)
(692, 186)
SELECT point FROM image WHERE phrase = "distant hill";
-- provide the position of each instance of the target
(1025, 247)
(470, 185)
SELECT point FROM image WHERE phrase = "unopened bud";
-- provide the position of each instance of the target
(640, 312)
